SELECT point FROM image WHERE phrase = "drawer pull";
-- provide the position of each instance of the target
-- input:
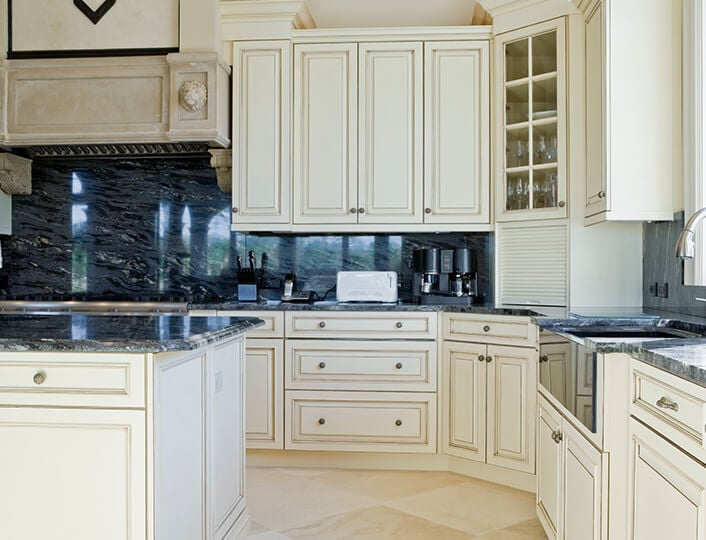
(399, 325)
(481, 358)
(322, 324)
(666, 403)
(398, 422)
(398, 365)
(39, 378)
(557, 436)
(486, 328)
(322, 365)
(489, 359)
(322, 421)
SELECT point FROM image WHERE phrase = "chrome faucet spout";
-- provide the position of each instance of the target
(685, 245)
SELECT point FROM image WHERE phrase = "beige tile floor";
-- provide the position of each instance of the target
(322, 504)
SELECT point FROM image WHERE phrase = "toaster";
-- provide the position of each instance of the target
(366, 286)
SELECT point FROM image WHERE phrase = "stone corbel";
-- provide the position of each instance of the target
(15, 174)
(222, 161)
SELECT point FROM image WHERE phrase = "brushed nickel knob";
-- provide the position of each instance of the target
(322, 365)
(235, 209)
(353, 210)
(481, 358)
(322, 421)
(39, 377)
(399, 324)
(398, 365)
(322, 324)
(562, 204)
(486, 328)
(427, 210)
(398, 422)
(361, 210)
(489, 359)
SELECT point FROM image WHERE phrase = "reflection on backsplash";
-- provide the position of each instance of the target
(161, 227)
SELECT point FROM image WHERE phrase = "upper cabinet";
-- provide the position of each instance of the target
(530, 97)
(633, 109)
(388, 134)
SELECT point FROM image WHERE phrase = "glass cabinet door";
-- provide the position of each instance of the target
(531, 182)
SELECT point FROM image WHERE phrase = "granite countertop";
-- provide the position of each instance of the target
(122, 333)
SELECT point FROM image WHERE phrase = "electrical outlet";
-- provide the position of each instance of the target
(404, 285)
(663, 290)
(652, 289)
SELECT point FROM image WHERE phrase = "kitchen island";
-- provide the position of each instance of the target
(122, 427)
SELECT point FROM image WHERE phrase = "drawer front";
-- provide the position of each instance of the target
(496, 330)
(354, 365)
(361, 325)
(273, 327)
(73, 379)
(360, 421)
(672, 406)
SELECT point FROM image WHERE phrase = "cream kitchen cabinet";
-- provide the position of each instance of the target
(490, 393)
(261, 135)
(632, 140)
(152, 449)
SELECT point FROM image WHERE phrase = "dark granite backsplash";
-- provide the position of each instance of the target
(161, 227)
(661, 266)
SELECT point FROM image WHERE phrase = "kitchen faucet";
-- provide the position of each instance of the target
(685, 244)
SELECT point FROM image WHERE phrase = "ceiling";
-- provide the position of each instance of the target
(364, 13)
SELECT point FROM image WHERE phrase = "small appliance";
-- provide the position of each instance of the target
(445, 276)
(366, 287)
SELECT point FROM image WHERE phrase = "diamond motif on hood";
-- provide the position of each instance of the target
(94, 15)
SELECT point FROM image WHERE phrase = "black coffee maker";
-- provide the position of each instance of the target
(445, 276)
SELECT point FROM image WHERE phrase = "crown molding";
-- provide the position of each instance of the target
(263, 19)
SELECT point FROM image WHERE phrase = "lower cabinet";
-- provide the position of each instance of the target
(668, 489)
(571, 484)
(264, 407)
(489, 404)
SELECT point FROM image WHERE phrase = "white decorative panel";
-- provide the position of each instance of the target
(533, 264)
(38, 25)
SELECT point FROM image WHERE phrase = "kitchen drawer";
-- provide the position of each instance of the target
(273, 327)
(360, 421)
(361, 325)
(361, 365)
(73, 379)
(498, 330)
(673, 407)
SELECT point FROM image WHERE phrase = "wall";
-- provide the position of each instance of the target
(161, 228)
(661, 266)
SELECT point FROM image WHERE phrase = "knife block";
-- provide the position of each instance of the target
(247, 286)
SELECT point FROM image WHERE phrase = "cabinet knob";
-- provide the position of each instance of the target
(322, 421)
(322, 324)
(557, 437)
(601, 194)
(39, 378)
(562, 204)
(427, 210)
(481, 358)
(544, 358)
(398, 422)
(489, 359)
(322, 365)
(361, 210)
(353, 210)
(235, 209)
(663, 403)
(398, 365)
(486, 328)
(399, 324)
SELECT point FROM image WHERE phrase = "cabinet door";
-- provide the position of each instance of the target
(512, 398)
(585, 490)
(325, 133)
(457, 132)
(554, 368)
(596, 188)
(464, 403)
(667, 489)
(261, 132)
(390, 133)
(70, 474)
(549, 469)
(264, 406)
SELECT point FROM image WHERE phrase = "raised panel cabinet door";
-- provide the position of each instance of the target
(261, 132)
(549, 469)
(325, 133)
(667, 489)
(456, 132)
(585, 489)
(264, 409)
(464, 405)
(554, 368)
(390, 133)
(596, 181)
(72, 474)
(512, 399)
